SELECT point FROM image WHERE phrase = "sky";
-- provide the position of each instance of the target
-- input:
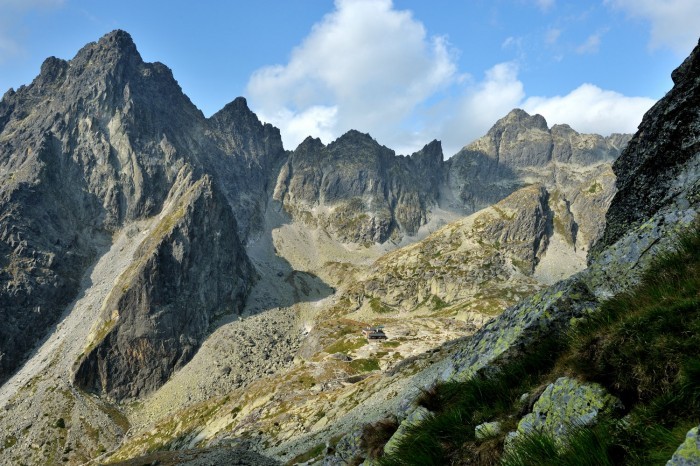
(404, 71)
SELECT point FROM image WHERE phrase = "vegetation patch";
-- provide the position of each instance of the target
(346, 346)
(379, 307)
(365, 365)
(9, 442)
(310, 454)
(376, 435)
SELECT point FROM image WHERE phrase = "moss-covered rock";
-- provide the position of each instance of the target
(411, 420)
(564, 404)
(688, 453)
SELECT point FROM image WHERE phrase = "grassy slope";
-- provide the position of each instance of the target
(642, 347)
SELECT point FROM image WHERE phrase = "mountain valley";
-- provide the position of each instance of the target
(184, 287)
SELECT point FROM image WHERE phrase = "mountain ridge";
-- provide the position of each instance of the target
(105, 149)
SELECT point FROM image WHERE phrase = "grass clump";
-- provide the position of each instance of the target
(376, 435)
(376, 305)
(585, 446)
(310, 454)
(346, 346)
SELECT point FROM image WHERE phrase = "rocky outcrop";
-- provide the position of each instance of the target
(190, 269)
(660, 168)
(565, 404)
(528, 323)
(362, 192)
(358, 190)
(688, 453)
(93, 144)
(484, 262)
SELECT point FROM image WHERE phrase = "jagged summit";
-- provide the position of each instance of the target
(521, 118)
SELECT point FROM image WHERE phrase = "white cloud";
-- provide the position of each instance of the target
(675, 24)
(480, 106)
(369, 67)
(591, 44)
(590, 109)
(587, 109)
(370, 63)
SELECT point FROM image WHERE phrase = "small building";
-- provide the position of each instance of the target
(374, 333)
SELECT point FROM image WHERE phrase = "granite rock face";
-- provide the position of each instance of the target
(358, 190)
(160, 310)
(486, 260)
(660, 169)
(93, 144)
(545, 314)
(520, 149)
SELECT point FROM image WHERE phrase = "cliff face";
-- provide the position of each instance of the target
(189, 270)
(358, 190)
(93, 144)
(659, 168)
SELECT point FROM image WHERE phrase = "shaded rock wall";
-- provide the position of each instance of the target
(659, 168)
(190, 269)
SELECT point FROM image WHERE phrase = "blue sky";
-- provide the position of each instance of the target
(406, 71)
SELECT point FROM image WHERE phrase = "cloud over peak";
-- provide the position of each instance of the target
(370, 67)
(365, 63)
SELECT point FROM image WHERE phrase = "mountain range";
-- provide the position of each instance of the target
(170, 281)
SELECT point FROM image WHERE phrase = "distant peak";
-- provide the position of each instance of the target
(117, 45)
(53, 68)
(239, 106)
(431, 152)
(118, 39)
(354, 135)
(521, 117)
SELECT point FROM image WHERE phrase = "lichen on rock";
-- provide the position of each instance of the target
(688, 453)
(564, 404)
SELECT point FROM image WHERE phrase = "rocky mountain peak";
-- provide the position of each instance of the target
(431, 154)
(521, 119)
(115, 43)
(355, 138)
(689, 71)
(53, 69)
